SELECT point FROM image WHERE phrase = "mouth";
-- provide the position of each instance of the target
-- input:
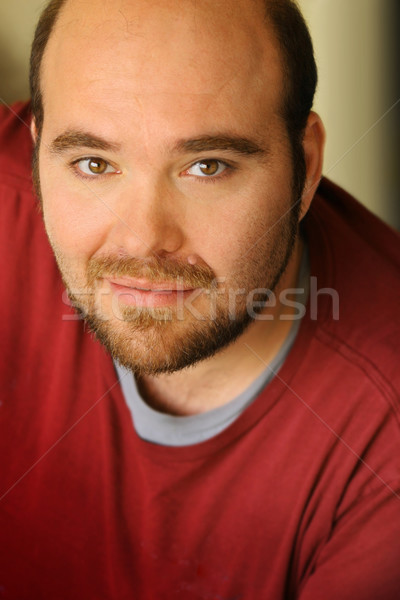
(144, 293)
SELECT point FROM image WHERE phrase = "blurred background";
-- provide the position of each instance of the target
(357, 47)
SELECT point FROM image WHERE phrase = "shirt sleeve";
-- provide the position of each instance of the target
(361, 559)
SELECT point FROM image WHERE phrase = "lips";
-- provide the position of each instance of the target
(144, 293)
(147, 286)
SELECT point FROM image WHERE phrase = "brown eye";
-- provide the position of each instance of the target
(97, 166)
(209, 167)
(92, 166)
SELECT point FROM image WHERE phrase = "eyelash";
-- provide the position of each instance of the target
(229, 168)
(73, 166)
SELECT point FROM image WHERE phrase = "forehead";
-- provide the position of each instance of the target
(205, 58)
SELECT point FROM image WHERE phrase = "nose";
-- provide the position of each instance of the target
(147, 221)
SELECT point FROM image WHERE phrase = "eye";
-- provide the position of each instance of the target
(94, 166)
(207, 168)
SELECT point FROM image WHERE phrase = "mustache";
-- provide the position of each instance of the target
(154, 269)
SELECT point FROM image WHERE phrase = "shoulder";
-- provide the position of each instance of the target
(15, 146)
(22, 224)
(355, 263)
(26, 260)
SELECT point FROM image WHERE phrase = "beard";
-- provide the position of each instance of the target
(155, 340)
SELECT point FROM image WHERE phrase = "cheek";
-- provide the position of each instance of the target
(231, 235)
(252, 239)
(75, 221)
(245, 218)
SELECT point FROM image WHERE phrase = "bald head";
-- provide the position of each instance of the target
(291, 32)
(164, 46)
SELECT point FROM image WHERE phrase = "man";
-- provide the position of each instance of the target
(240, 437)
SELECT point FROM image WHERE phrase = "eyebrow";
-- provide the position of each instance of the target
(207, 143)
(80, 139)
(72, 139)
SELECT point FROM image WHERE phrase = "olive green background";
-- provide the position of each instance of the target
(356, 46)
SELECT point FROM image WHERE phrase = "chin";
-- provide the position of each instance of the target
(150, 347)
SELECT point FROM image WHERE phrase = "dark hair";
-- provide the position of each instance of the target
(300, 72)
(300, 78)
(43, 31)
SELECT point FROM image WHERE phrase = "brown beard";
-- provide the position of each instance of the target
(197, 343)
(168, 344)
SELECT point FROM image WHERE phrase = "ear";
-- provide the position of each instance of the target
(34, 132)
(313, 144)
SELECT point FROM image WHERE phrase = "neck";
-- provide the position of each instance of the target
(216, 381)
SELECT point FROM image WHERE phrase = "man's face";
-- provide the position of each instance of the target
(165, 171)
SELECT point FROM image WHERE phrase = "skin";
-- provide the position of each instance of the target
(144, 76)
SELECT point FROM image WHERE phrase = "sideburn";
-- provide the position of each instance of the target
(36, 175)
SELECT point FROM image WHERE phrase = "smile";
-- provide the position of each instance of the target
(138, 292)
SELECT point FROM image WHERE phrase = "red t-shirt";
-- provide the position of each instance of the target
(299, 498)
